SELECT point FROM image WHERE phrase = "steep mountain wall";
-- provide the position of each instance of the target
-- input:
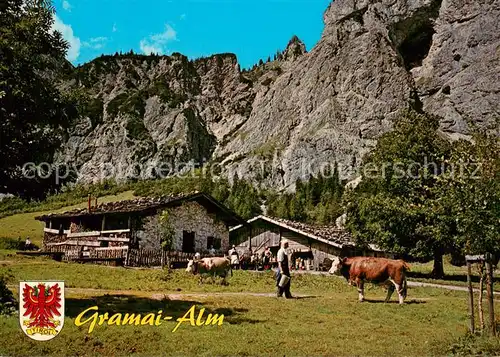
(290, 117)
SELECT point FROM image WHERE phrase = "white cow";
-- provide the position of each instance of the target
(214, 266)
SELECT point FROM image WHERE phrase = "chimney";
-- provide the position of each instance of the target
(90, 202)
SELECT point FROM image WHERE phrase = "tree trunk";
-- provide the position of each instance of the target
(438, 270)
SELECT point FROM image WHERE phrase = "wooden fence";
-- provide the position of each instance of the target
(132, 257)
(155, 258)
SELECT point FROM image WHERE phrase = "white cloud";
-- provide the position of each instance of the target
(114, 27)
(157, 43)
(148, 49)
(96, 43)
(98, 39)
(67, 33)
(66, 5)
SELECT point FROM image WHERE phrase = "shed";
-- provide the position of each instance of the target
(313, 243)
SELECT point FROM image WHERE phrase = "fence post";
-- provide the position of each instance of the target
(471, 297)
(127, 256)
(490, 293)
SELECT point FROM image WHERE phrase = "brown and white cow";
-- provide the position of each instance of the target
(358, 270)
(215, 266)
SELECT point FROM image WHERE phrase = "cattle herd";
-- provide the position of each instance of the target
(356, 270)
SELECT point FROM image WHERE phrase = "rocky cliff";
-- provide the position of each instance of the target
(289, 117)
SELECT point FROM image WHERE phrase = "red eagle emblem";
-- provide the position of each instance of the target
(42, 304)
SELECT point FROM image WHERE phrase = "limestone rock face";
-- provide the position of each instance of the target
(460, 77)
(292, 117)
(294, 49)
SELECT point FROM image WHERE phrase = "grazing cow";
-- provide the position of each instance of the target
(213, 266)
(357, 270)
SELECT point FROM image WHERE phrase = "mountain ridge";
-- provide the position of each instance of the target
(287, 118)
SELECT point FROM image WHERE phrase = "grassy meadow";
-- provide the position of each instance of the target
(326, 319)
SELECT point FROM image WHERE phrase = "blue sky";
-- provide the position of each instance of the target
(252, 29)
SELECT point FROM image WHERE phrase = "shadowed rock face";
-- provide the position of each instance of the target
(284, 119)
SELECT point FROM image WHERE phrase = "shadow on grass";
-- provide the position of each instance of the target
(123, 304)
(407, 302)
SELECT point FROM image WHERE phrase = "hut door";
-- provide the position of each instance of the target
(188, 242)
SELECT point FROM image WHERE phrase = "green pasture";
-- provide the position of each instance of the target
(325, 320)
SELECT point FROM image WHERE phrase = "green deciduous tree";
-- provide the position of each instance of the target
(397, 205)
(34, 114)
(167, 231)
(471, 190)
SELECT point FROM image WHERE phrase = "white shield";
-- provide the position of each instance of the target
(41, 308)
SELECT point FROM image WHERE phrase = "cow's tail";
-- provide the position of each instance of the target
(406, 266)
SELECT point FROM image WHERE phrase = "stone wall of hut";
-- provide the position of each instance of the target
(189, 217)
(149, 235)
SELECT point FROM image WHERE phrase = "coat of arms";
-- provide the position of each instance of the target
(41, 309)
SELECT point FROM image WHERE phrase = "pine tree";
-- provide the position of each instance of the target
(207, 184)
(221, 190)
(337, 188)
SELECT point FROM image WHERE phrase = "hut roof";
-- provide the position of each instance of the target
(150, 204)
(328, 234)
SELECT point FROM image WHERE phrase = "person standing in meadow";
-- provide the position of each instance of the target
(283, 271)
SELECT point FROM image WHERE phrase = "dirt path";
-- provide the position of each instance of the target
(442, 286)
(410, 283)
(157, 295)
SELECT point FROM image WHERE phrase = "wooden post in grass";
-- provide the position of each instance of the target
(489, 293)
(486, 258)
(471, 296)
